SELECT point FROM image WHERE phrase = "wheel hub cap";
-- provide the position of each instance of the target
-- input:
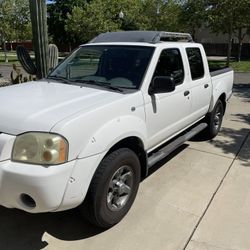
(120, 187)
(218, 118)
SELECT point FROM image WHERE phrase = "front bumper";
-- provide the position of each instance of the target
(45, 185)
(37, 189)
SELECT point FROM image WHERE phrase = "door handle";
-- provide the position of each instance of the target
(206, 86)
(186, 93)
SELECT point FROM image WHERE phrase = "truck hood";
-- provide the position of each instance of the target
(38, 106)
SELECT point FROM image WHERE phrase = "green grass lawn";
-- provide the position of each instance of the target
(12, 58)
(243, 66)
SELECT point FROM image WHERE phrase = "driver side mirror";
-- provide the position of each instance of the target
(162, 84)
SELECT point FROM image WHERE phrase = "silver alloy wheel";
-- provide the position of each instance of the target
(218, 117)
(120, 188)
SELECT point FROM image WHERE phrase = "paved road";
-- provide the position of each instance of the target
(5, 71)
(198, 198)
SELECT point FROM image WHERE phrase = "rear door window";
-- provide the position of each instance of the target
(195, 63)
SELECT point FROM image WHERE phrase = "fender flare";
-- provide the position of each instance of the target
(112, 132)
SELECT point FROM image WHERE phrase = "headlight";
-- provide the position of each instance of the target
(40, 148)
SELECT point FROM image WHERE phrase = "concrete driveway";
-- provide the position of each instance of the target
(198, 198)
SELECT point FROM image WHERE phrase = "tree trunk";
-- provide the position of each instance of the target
(239, 50)
(5, 51)
(240, 38)
(194, 34)
(229, 51)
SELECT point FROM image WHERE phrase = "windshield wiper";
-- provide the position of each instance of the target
(59, 79)
(99, 83)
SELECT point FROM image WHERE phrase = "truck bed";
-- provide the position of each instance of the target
(222, 80)
(214, 71)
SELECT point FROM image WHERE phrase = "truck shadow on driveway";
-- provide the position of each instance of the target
(234, 144)
(231, 140)
(24, 231)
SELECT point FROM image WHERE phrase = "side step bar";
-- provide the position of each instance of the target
(162, 153)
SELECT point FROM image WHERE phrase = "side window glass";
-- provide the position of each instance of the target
(195, 63)
(170, 64)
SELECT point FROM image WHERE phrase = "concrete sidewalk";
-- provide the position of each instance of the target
(226, 223)
(198, 198)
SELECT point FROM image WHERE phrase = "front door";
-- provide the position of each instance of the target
(168, 113)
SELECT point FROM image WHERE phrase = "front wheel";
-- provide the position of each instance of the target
(113, 188)
(214, 120)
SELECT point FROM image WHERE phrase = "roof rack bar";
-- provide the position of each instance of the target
(173, 36)
(142, 36)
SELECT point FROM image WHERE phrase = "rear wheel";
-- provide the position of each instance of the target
(214, 120)
(113, 188)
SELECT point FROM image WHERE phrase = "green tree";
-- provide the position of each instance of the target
(15, 21)
(194, 15)
(227, 16)
(242, 25)
(5, 20)
(57, 16)
(102, 16)
(21, 20)
(87, 23)
(169, 16)
(162, 15)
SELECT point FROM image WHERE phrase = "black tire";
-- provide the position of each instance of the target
(214, 120)
(107, 202)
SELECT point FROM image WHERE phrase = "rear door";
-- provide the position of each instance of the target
(199, 80)
(168, 113)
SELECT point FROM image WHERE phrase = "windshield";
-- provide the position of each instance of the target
(117, 66)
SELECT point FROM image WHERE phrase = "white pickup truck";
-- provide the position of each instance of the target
(88, 133)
